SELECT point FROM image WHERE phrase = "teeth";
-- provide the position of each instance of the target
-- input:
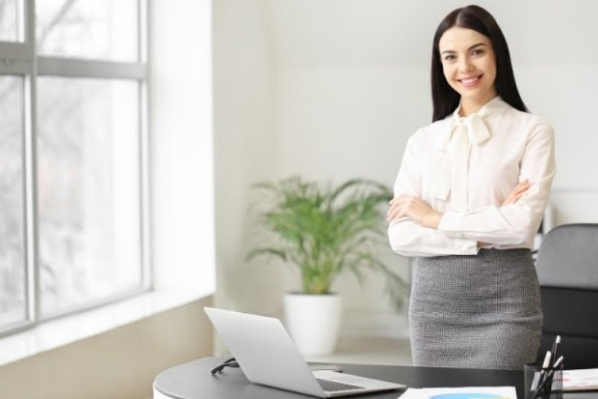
(467, 81)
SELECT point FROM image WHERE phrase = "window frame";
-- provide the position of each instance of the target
(20, 58)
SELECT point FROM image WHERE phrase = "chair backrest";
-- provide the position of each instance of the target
(567, 266)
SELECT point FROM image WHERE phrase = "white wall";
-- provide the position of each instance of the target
(244, 147)
(343, 122)
(119, 364)
(350, 83)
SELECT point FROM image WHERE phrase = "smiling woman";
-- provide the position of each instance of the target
(469, 198)
(470, 69)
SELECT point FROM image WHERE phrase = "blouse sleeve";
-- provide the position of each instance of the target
(409, 238)
(512, 224)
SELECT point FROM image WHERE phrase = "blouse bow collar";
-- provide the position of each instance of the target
(456, 143)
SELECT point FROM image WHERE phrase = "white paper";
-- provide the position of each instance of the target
(413, 393)
(580, 380)
(461, 393)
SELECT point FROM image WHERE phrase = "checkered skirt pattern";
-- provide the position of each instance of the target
(475, 311)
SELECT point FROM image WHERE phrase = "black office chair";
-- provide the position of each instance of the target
(567, 265)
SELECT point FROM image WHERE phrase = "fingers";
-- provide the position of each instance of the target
(522, 187)
(394, 211)
(511, 199)
(395, 216)
(406, 206)
(396, 208)
(413, 208)
(517, 192)
(398, 199)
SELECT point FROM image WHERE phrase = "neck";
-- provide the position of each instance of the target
(472, 105)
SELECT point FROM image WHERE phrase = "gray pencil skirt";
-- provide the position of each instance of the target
(475, 311)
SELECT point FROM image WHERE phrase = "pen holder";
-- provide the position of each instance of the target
(543, 383)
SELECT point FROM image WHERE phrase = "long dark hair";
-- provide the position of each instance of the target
(446, 99)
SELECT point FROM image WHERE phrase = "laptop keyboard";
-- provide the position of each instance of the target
(333, 386)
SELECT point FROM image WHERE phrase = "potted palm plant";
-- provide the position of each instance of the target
(324, 230)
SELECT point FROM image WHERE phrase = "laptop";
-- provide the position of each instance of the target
(267, 355)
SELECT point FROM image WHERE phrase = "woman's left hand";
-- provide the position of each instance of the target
(414, 208)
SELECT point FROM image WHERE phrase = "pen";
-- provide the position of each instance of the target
(547, 359)
(555, 345)
(545, 367)
(548, 377)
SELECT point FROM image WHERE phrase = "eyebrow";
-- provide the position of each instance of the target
(469, 49)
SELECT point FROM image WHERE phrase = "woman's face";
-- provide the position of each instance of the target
(469, 65)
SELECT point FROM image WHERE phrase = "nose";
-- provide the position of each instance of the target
(465, 64)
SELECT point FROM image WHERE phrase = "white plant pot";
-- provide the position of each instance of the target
(313, 321)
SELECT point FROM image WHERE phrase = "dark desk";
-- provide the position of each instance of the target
(194, 381)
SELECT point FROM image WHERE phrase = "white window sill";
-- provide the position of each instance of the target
(63, 331)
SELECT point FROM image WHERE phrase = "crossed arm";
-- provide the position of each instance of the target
(408, 211)
(416, 229)
(418, 210)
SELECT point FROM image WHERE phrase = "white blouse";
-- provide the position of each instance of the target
(466, 167)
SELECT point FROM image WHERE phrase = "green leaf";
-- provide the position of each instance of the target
(326, 230)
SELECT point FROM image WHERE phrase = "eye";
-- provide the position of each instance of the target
(450, 57)
(477, 52)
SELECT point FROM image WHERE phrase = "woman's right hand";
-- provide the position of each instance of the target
(517, 192)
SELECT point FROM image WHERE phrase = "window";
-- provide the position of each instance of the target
(12, 218)
(73, 90)
(8, 20)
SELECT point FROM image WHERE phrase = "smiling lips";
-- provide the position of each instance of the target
(471, 81)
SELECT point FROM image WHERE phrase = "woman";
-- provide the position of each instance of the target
(469, 198)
